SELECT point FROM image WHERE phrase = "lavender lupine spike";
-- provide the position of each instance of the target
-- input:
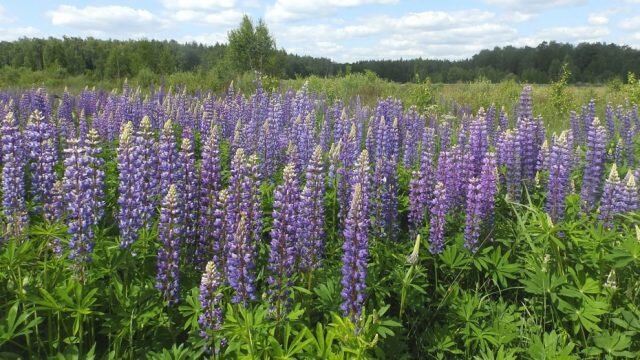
(617, 153)
(170, 235)
(312, 213)
(629, 194)
(543, 157)
(610, 203)
(626, 133)
(79, 199)
(559, 177)
(43, 154)
(240, 263)
(594, 165)
(129, 188)
(219, 232)
(211, 318)
(13, 171)
(147, 148)
(509, 157)
(97, 174)
(354, 258)
(503, 120)
(478, 142)
(284, 248)
(438, 213)
(611, 127)
(526, 143)
(489, 186)
(188, 189)
(210, 185)
(473, 217)
(169, 166)
(525, 109)
(421, 186)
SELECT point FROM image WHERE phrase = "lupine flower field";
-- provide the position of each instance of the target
(287, 225)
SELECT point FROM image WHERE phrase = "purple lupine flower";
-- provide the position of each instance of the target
(525, 108)
(503, 120)
(594, 165)
(242, 206)
(509, 157)
(488, 185)
(97, 175)
(79, 198)
(354, 258)
(65, 115)
(348, 155)
(13, 171)
(170, 235)
(188, 189)
(473, 217)
(617, 153)
(210, 185)
(147, 148)
(169, 166)
(526, 143)
(626, 133)
(478, 142)
(438, 213)
(385, 201)
(559, 177)
(611, 127)
(129, 188)
(611, 202)
(210, 297)
(312, 214)
(285, 245)
(240, 263)
(219, 231)
(43, 154)
(543, 157)
(421, 185)
(629, 193)
(252, 198)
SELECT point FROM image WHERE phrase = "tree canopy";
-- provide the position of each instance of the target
(251, 47)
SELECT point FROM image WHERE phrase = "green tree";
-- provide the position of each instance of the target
(250, 48)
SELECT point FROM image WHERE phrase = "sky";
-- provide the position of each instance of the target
(342, 30)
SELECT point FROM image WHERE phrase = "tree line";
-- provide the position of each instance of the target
(251, 47)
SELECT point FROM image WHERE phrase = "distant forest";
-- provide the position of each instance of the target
(113, 59)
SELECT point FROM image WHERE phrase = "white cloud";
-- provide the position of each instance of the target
(211, 38)
(228, 17)
(197, 4)
(285, 10)
(632, 23)
(572, 34)
(536, 5)
(595, 19)
(433, 34)
(99, 19)
(8, 34)
(4, 17)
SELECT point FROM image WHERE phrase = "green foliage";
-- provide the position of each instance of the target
(250, 48)
(633, 88)
(560, 99)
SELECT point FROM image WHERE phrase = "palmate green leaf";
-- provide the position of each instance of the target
(627, 253)
(541, 282)
(551, 347)
(191, 310)
(17, 324)
(614, 344)
(454, 259)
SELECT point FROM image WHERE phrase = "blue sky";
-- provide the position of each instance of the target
(343, 30)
